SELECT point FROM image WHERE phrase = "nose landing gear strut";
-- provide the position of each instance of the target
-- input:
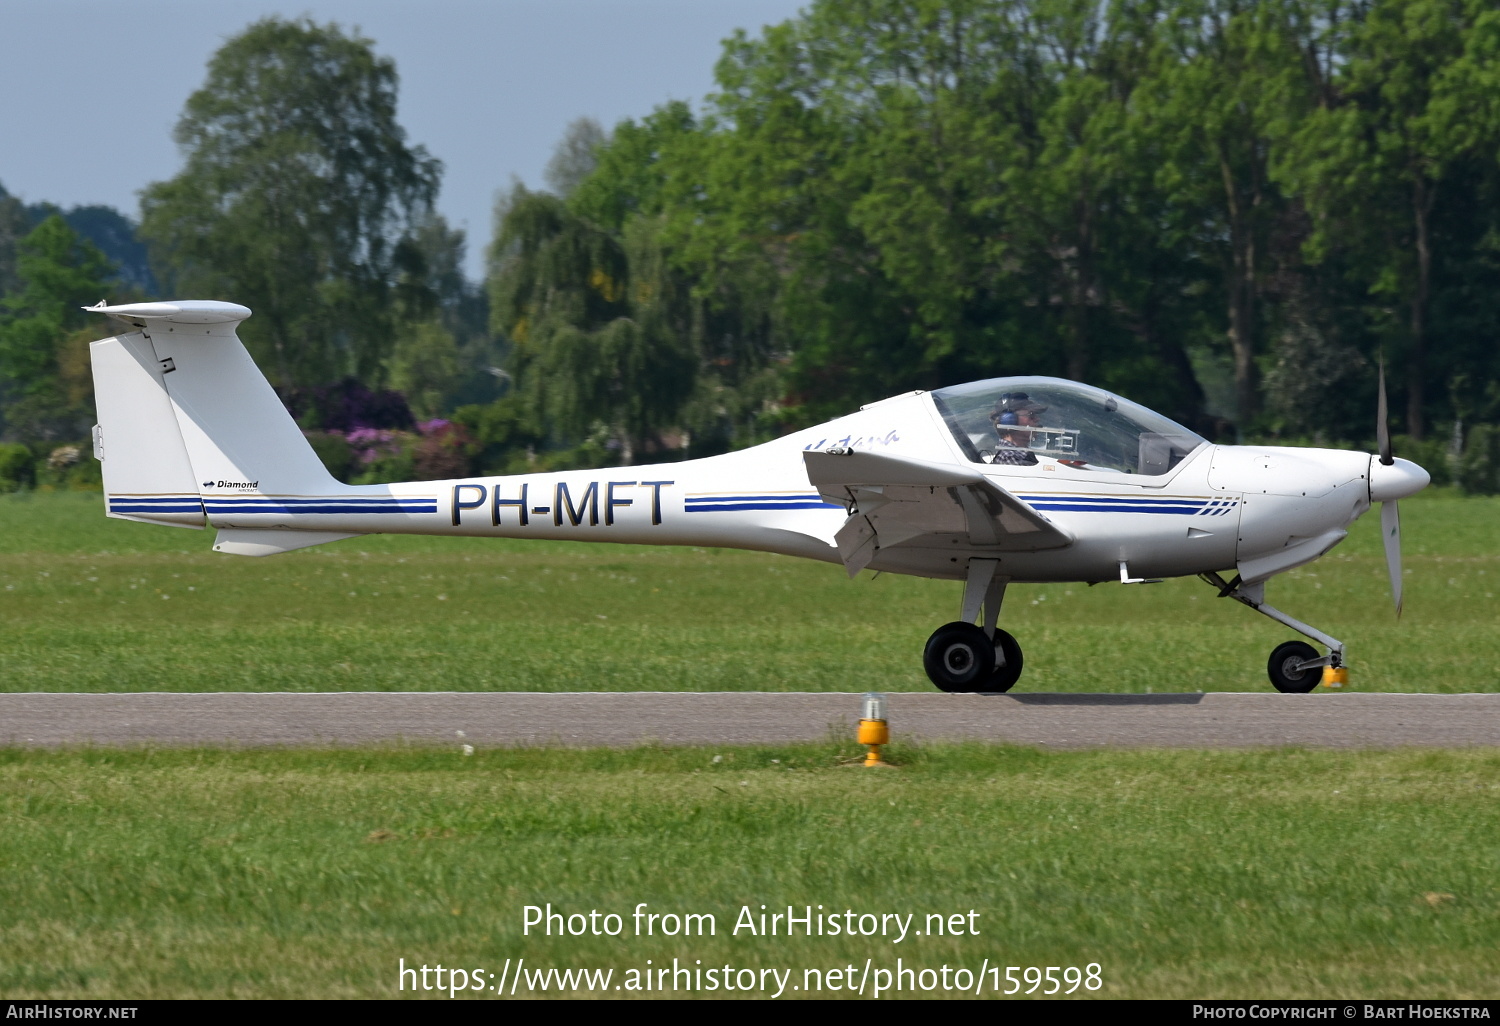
(1295, 666)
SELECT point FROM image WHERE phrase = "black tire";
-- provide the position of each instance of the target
(1008, 663)
(959, 657)
(1279, 669)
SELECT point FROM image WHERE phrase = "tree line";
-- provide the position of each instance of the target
(1229, 210)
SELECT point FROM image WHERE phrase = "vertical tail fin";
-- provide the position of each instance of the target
(184, 415)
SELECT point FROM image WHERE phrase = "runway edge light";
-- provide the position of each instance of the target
(1335, 676)
(873, 730)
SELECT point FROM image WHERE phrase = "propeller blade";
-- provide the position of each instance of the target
(1390, 532)
(1382, 428)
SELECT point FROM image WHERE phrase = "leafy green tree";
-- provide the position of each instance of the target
(443, 354)
(1406, 102)
(931, 192)
(1101, 246)
(604, 329)
(839, 182)
(591, 344)
(43, 370)
(1207, 103)
(647, 191)
(425, 366)
(298, 198)
(1152, 195)
(114, 234)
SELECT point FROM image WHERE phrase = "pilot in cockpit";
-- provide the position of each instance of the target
(1013, 417)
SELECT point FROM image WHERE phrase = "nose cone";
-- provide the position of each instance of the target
(1401, 479)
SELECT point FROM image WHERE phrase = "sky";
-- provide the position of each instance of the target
(90, 89)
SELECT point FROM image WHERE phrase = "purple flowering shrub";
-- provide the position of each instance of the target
(438, 449)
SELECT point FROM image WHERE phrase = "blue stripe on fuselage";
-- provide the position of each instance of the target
(347, 507)
(731, 503)
(260, 504)
(127, 507)
(760, 505)
(1130, 504)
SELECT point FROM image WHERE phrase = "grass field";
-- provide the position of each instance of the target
(1183, 874)
(92, 604)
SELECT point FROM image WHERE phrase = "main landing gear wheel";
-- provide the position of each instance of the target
(959, 657)
(1283, 671)
(1008, 663)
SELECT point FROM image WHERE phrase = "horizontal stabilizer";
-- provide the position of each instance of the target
(270, 542)
(182, 311)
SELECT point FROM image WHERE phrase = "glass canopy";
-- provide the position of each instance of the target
(1016, 421)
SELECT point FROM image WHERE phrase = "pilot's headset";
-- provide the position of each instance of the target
(1006, 407)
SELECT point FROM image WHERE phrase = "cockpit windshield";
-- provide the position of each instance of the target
(1017, 420)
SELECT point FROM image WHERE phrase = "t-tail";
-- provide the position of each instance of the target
(191, 433)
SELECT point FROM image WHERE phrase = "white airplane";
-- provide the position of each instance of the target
(1022, 479)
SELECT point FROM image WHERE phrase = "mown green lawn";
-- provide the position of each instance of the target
(1182, 874)
(92, 604)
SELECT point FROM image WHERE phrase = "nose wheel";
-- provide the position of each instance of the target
(1294, 668)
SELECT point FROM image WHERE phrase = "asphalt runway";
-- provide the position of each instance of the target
(237, 719)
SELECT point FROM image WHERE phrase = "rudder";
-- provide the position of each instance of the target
(147, 475)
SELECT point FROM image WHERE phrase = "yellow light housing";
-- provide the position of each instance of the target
(873, 731)
(1335, 676)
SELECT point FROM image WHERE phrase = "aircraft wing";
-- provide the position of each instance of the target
(893, 499)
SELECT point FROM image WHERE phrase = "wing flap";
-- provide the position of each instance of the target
(893, 499)
(857, 543)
